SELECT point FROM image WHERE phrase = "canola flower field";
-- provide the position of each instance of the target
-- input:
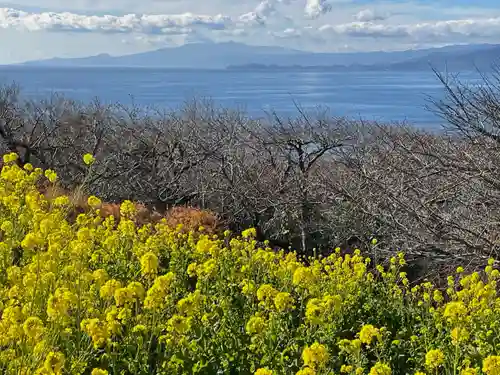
(104, 296)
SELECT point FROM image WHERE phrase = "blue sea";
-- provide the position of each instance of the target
(379, 96)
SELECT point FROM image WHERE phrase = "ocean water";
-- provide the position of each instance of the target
(379, 96)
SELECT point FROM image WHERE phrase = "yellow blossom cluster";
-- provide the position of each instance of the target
(85, 295)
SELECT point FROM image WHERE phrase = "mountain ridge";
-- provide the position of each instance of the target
(232, 55)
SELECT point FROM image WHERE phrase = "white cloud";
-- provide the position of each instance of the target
(151, 23)
(260, 14)
(369, 15)
(316, 8)
(418, 31)
(289, 33)
(129, 23)
(269, 9)
(466, 27)
(269, 14)
(366, 29)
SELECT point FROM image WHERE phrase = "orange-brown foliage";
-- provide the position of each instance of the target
(191, 218)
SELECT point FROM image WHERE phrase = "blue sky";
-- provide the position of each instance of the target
(32, 29)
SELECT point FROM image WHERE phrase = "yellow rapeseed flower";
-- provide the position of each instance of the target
(191, 269)
(109, 288)
(97, 330)
(284, 302)
(346, 369)
(179, 324)
(60, 303)
(350, 346)
(455, 311)
(62, 200)
(140, 328)
(7, 227)
(266, 292)
(137, 290)
(303, 276)
(94, 202)
(88, 159)
(248, 287)
(255, 325)
(54, 363)
(491, 365)
(368, 333)
(30, 241)
(459, 335)
(123, 296)
(306, 371)
(434, 359)
(33, 327)
(100, 276)
(9, 158)
(438, 296)
(155, 296)
(112, 284)
(315, 356)
(127, 209)
(263, 371)
(149, 264)
(249, 233)
(468, 371)
(380, 369)
(51, 175)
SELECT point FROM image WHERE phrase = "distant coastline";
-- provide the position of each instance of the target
(237, 56)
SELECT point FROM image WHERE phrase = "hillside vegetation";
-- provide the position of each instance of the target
(313, 182)
(97, 295)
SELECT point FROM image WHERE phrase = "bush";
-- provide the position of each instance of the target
(192, 219)
(100, 298)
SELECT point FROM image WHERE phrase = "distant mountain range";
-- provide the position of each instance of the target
(233, 56)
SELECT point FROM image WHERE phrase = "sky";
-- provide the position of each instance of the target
(32, 29)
